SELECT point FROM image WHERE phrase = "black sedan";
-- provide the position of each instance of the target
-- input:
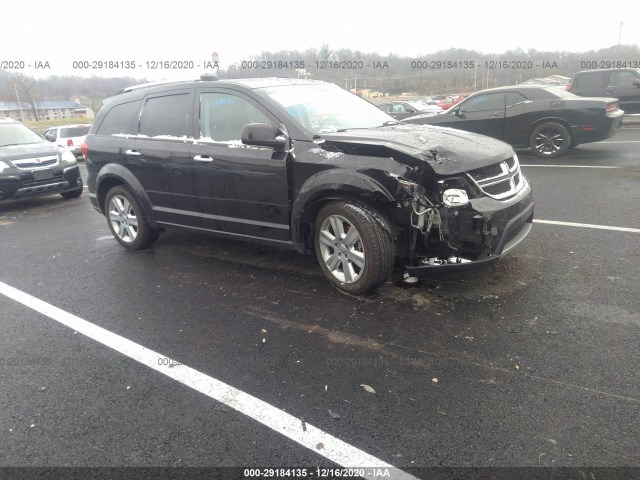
(547, 119)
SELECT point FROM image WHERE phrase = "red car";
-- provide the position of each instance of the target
(449, 101)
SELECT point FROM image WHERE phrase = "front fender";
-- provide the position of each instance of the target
(336, 184)
(120, 173)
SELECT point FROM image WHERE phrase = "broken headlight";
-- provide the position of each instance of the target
(455, 197)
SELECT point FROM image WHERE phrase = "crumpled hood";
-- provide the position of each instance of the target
(31, 150)
(447, 150)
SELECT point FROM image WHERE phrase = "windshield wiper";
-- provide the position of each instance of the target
(388, 123)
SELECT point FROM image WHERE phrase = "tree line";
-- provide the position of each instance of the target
(446, 71)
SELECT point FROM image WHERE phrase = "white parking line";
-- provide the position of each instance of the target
(567, 166)
(587, 225)
(622, 141)
(291, 427)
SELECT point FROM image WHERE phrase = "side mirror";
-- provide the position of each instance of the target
(458, 112)
(263, 135)
(49, 137)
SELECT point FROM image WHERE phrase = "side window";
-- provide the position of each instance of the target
(223, 115)
(591, 80)
(491, 101)
(118, 119)
(166, 115)
(398, 108)
(621, 79)
(514, 98)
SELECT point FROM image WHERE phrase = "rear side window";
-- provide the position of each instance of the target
(73, 132)
(514, 98)
(118, 119)
(590, 80)
(621, 79)
(167, 115)
(222, 116)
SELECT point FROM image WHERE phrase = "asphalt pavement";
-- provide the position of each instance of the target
(531, 363)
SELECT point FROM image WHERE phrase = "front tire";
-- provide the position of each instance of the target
(355, 253)
(549, 140)
(126, 219)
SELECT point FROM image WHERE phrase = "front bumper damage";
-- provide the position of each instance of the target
(477, 235)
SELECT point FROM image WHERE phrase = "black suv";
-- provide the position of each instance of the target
(30, 166)
(308, 166)
(620, 83)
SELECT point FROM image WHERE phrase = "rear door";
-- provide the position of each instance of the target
(620, 86)
(158, 155)
(481, 114)
(243, 190)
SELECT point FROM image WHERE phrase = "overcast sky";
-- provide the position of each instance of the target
(144, 30)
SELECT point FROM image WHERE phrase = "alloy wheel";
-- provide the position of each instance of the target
(123, 218)
(548, 141)
(341, 248)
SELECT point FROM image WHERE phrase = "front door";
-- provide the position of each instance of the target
(242, 190)
(481, 114)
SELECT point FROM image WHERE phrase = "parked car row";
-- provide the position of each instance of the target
(280, 162)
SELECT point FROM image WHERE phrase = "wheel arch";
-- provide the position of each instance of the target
(559, 120)
(326, 187)
(112, 175)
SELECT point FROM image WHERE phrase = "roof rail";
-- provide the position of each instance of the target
(148, 85)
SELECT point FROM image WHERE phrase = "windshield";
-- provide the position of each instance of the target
(17, 134)
(327, 108)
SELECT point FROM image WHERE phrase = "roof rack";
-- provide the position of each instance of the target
(204, 77)
(149, 85)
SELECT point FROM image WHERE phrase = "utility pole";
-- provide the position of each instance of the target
(619, 36)
(19, 104)
(475, 78)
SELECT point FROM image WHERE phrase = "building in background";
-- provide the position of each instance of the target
(47, 110)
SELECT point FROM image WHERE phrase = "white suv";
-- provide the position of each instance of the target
(68, 136)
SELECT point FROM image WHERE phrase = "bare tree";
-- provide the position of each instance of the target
(25, 91)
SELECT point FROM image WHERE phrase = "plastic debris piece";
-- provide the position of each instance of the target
(368, 388)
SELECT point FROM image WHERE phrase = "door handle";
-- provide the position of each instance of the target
(200, 158)
(132, 153)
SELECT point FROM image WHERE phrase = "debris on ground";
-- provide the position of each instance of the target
(334, 415)
(368, 388)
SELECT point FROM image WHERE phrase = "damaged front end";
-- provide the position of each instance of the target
(467, 220)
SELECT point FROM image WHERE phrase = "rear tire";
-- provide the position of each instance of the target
(126, 219)
(355, 253)
(549, 140)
